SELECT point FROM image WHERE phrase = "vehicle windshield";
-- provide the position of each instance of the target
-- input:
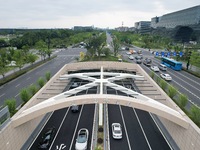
(81, 138)
(117, 131)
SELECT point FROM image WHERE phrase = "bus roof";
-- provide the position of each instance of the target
(172, 60)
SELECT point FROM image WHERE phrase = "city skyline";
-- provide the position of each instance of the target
(66, 14)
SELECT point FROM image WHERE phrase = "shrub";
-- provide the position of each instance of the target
(41, 82)
(172, 91)
(183, 100)
(158, 79)
(163, 84)
(11, 103)
(195, 115)
(48, 75)
(152, 74)
(24, 94)
(99, 148)
(33, 89)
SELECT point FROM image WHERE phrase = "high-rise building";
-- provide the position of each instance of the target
(185, 17)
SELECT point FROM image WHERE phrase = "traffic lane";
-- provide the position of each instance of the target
(185, 76)
(12, 89)
(192, 97)
(66, 132)
(114, 116)
(57, 115)
(86, 121)
(135, 134)
(185, 83)
(184, 86)
(153, 134)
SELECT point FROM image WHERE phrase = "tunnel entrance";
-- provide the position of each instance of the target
(183, 33)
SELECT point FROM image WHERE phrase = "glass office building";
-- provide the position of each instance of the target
(186, 17)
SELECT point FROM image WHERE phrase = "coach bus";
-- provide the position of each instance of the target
(171, 63)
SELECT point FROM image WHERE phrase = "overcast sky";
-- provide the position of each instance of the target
(99, 13)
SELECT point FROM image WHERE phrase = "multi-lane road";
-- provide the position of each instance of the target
(185, 83)
(12, 89)
(139, 129)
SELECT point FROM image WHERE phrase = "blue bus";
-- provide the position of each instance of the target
(171, 63)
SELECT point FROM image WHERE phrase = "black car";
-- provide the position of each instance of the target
(47, 138)
(147, 62)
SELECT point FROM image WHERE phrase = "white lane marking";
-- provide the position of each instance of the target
(183, 88)
(161, 131)
(2, 94)
(125, 128)
(59, 128)
(142, 129)
(40, 130)
(187, 90)
(185, 82)
(17, 85)
(93, 130)
(28, 78)
(76, 127)
(17, 95)
(185, 77)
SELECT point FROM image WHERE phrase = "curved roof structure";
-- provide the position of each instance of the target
(136, 100)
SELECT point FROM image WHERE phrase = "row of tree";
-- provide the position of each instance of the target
(180, 99)
(27, 93)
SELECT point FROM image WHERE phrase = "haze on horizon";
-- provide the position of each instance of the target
(67, 14)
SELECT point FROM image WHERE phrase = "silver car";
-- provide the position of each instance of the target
(82, 139)
(116, 131)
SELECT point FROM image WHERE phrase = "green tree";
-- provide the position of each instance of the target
(3, 62)
(115, 44)
(32, 58)
(41, 82)
(183, 100)
(42, 48)
(19, 58)
(106, 51)
(24, 94)
(195, 115)
(195, 58)
(172, 91)
(95, 45)
(11, 103)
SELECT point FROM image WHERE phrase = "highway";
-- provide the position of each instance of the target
(185, 83)
(139, 129)
(12, 89)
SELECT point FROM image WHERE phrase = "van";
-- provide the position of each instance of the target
(162, 67)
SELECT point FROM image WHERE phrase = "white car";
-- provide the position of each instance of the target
(165, 76)
(128, 53)
(155, 68)
(116, 131)
(131, 57)
(82, 139)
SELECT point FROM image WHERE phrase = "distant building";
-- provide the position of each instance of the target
(186, 17)
(143, 26)
(122, 29)
(83, 28)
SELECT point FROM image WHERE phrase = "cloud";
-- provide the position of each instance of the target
(67, 13)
